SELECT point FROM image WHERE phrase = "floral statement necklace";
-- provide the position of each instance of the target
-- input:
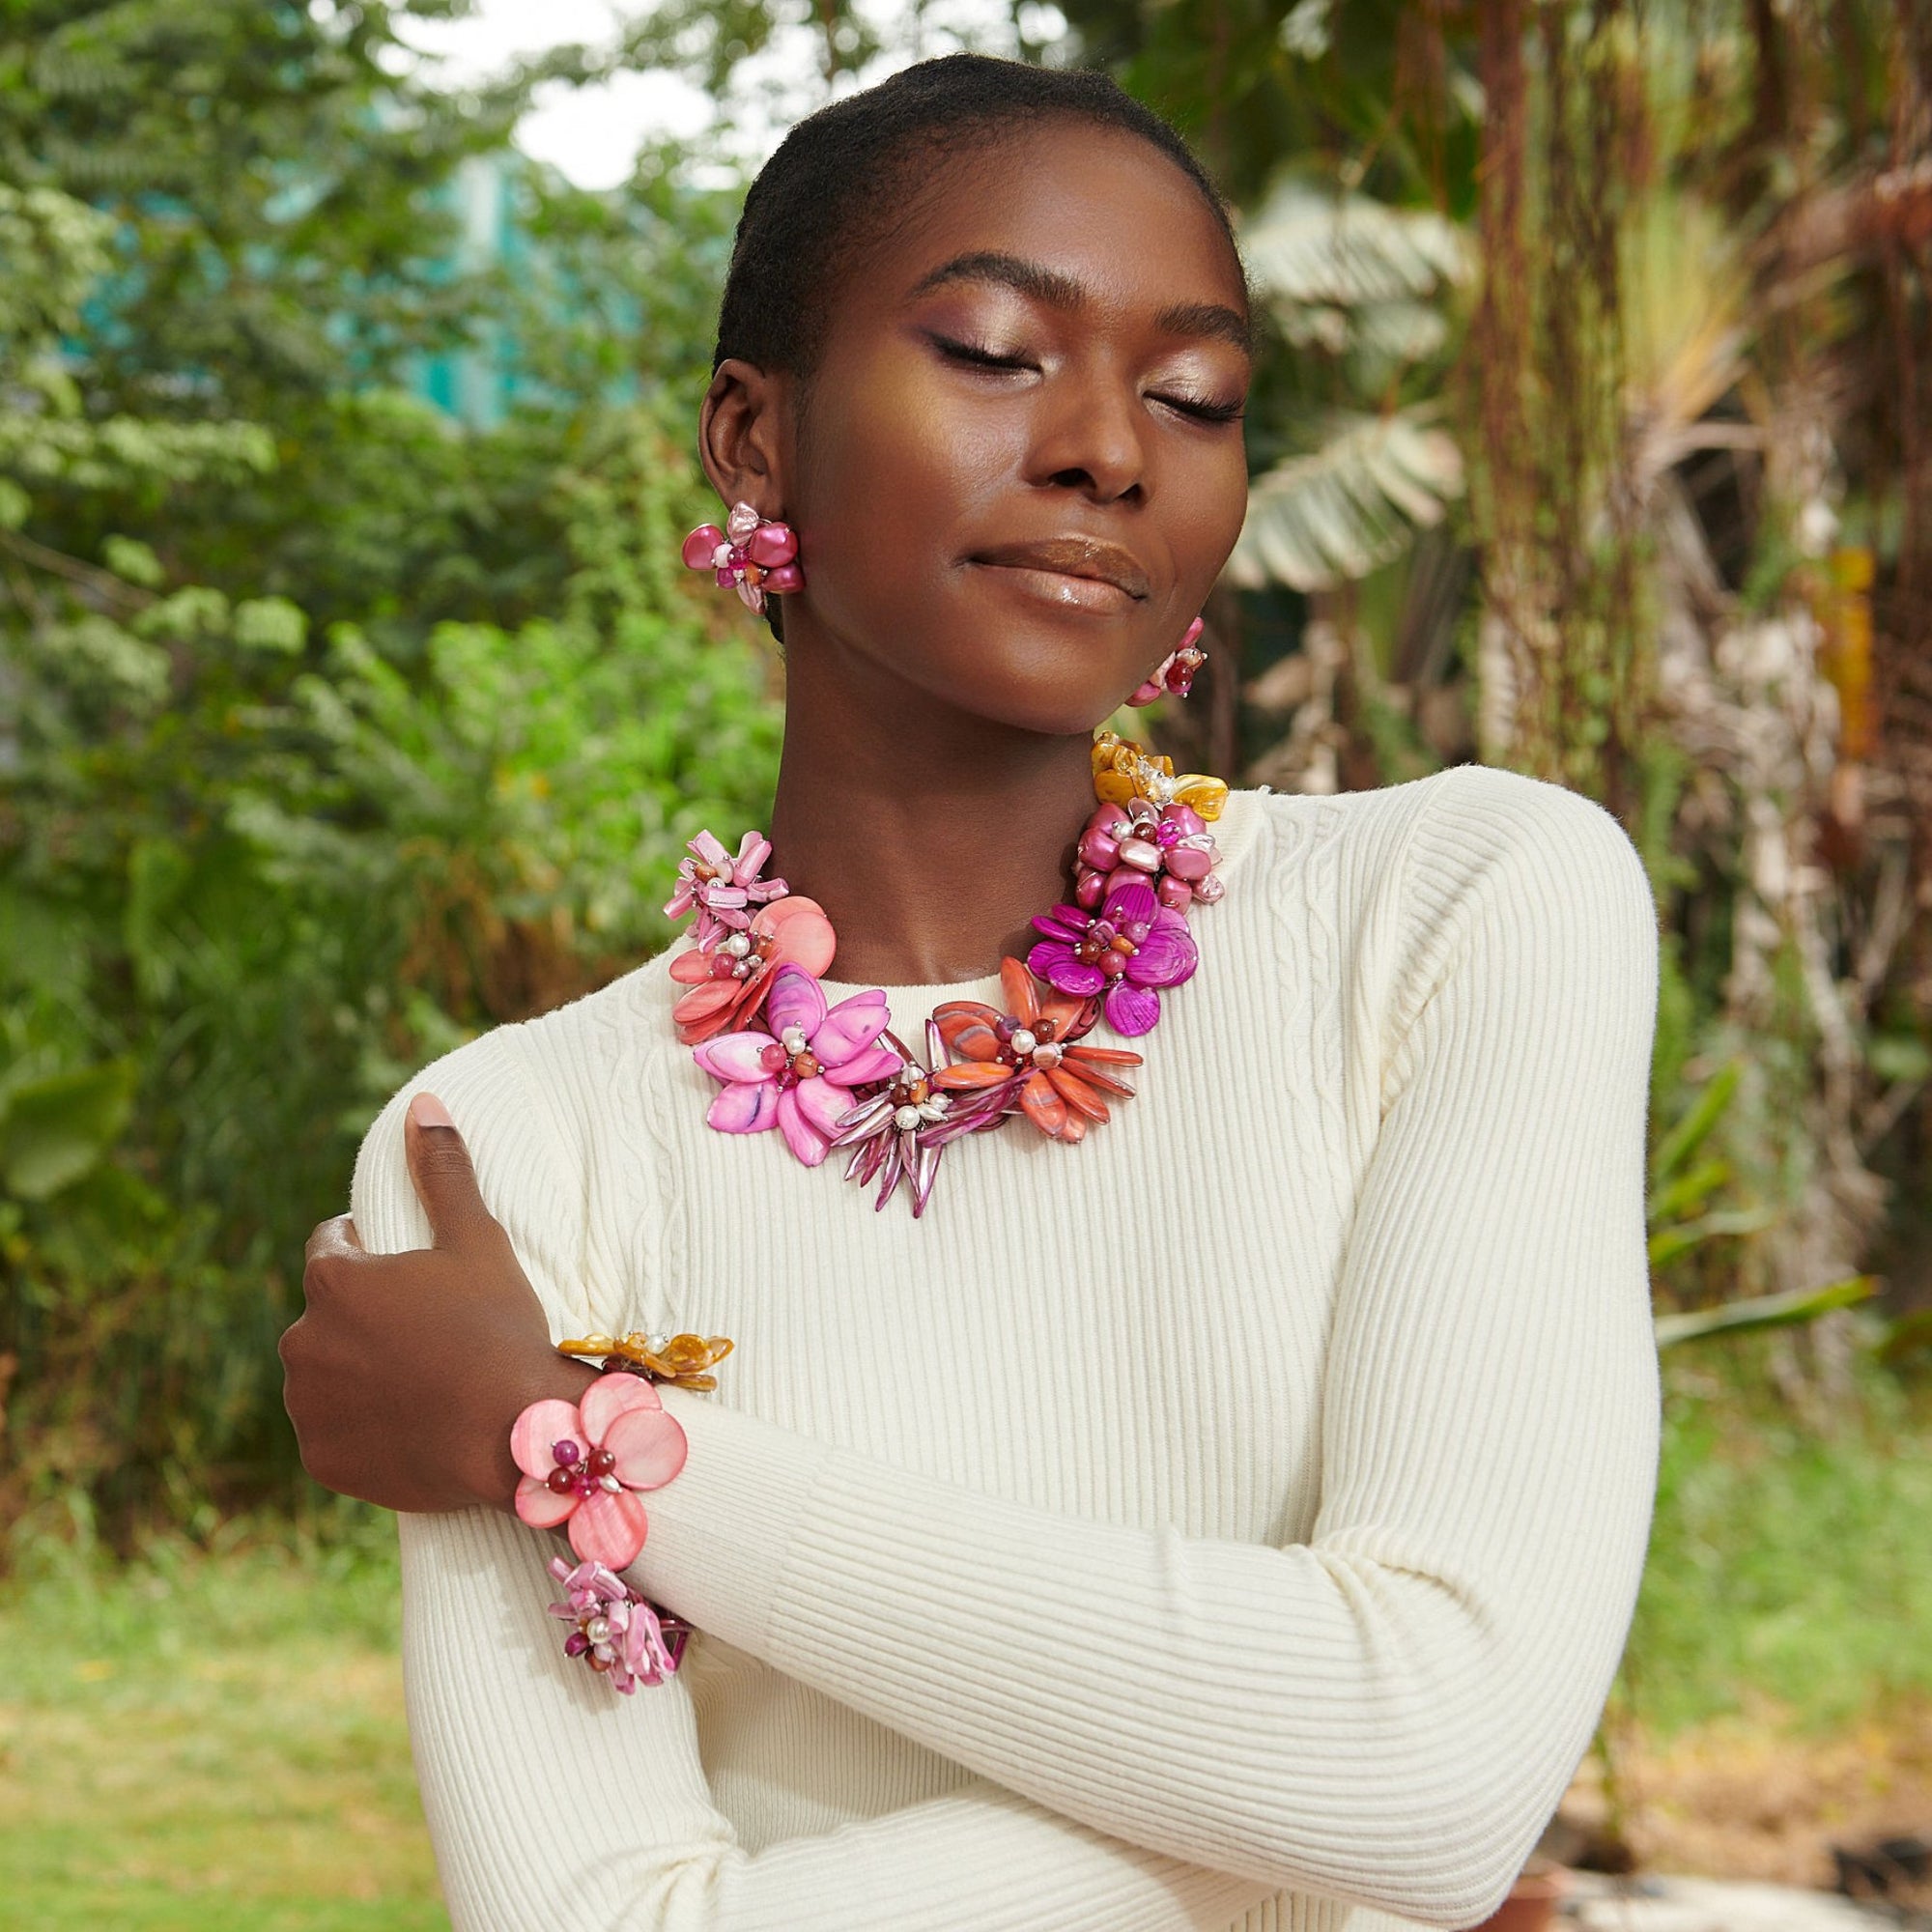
(838, 1078)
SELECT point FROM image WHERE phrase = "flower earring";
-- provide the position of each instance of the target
(1174, 675)
(755, 554)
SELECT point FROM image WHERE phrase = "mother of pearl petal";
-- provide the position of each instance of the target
(540, 1506)
(649, 1446)
(610, 1395)
(539, 1426)
(608, 1528)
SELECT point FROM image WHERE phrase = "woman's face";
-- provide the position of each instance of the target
(1019, 469)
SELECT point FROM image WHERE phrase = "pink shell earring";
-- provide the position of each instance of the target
(751, 554)
(1174, 675)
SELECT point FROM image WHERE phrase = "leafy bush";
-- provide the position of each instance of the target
(259, 891)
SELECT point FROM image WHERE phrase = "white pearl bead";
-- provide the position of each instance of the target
(1024, 1041)
(609, 1483)
(906, 1118)
(737, 946)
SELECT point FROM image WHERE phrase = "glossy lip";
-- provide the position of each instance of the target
(1092, 566)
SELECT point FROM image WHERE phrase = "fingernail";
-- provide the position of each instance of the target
(427, 1111)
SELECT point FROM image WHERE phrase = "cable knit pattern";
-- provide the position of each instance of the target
(1232, 1521)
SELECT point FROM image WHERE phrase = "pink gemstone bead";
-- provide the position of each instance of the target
(1185, 819)
(787, 576)
(1189, 863)
(1098, 850)
(1211, 890)
(741, 522)
(1142, 854)
(771, 544)
(1174, 893)
(700, 544)
(725, 579)
(1090, 889)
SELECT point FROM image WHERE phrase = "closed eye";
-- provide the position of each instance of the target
(1201, 410)
(980, 359)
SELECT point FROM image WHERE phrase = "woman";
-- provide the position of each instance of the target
(1231, 1519)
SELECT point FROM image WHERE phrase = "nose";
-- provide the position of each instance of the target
(1091, 438)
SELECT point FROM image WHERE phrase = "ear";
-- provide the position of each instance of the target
(742, 438)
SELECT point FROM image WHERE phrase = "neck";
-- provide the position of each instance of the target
(930, 837)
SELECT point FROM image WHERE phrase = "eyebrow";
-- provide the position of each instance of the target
(1052, 289)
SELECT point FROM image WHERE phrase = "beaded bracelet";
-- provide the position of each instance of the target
(585, 1465)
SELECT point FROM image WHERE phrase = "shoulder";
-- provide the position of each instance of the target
(1493, 846)
(1460, 834)
(529, 1098)
(1473, 878)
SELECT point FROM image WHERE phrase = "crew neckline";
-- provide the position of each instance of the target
(1233, 833)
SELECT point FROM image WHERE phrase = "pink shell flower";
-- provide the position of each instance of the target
(729, 985)
(1169, 846)
(616, 1631)
(799, 1076)
(722, 887)
(1126, 952)
(584, 1462)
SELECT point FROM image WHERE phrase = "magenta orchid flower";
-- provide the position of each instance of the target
(584, 1462)
(615, 1631)
(799, 1076)
(722, 887)
(1126, 952)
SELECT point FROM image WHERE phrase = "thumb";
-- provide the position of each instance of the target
(445, 1181)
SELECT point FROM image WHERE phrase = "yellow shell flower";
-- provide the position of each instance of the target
(678, 1359)
(1123, 769)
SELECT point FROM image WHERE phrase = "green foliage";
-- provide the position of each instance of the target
(320, 749)
(56, 1131)
(1783, 1565)
(275, 882)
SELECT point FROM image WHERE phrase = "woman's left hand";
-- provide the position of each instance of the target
(404, 1372)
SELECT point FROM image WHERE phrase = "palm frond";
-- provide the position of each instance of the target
(1349, 506)
(1327, 262)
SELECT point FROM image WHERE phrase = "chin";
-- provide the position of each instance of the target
(1057, 687)
(1059, 677)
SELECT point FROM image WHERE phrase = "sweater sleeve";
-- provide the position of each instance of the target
(553, 1800)
(1389, 1712)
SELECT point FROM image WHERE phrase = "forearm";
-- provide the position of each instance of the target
(1350, 1717)
(548, 1796)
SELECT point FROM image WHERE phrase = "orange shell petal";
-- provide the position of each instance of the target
(705, 1009)
(1097, 1078)
(1106, 1056)
(970, 1076)
(1077, 1094)
(1074, 1131)
(966, 1027)
(1042, 1106)
(1067, 1013)
(1017, 985)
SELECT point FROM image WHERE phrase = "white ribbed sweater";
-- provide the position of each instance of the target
(1232, 1521)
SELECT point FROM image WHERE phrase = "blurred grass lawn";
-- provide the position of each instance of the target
(213, 1741)
(210, 1743)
